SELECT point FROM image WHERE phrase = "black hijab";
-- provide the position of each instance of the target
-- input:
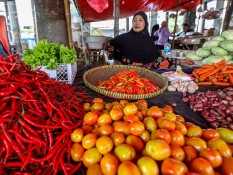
(136, 46)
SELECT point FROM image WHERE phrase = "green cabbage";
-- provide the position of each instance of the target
(212, 59)
(227, 45)
(218, 38)
(228, 34)
(228, 57)
(218, 51)
(210, 44)
(203, 52)
(193, 56)
(230, 62)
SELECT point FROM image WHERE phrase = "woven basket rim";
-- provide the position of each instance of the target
(120, 95)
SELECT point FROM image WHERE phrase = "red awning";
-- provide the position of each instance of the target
(100, 10)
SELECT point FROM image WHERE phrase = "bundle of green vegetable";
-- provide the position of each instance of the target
(49, 55)
(215, 50)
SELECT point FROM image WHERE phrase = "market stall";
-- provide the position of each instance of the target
(117, 119)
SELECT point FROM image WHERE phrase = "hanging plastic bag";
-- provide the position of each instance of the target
(98, 5)
(211, 14)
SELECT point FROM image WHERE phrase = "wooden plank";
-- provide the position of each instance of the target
(228, 14)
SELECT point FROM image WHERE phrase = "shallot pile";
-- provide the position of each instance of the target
(215, 106)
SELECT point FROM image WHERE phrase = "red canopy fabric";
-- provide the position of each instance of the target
(3, 35)
(100, 10)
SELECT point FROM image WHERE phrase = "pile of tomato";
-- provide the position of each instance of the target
(126, 137)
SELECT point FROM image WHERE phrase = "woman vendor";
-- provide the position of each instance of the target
(136, 47)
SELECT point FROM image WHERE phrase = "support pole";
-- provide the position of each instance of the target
(116, 17)
(173, 38)
(11, 5)
(229, 10)
(68, 22)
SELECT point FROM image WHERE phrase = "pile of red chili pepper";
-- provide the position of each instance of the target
(128, 82)
(37, 117)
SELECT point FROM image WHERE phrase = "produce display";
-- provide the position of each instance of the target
(125, 137)
(220, 74)
(49, 55)
(37, 117)
(128, 82)
(48, 127)
(215, 106)
(215, 50)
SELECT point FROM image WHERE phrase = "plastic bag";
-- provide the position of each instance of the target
(98, 5)
(178, 74)
(211, 14)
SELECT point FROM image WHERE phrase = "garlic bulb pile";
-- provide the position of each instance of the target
(182, 86)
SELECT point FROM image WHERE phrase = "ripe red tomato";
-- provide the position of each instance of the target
(97, 106)
(177, 138)
(116, 114)
(130, 108)
(77, 135)
(142, 104)
(125, 152)
(136, 142)
(104, 119)
(87, 106)
(161, 134)
(91, 156)
(117, 138)
(173, 166)
(147, 165)
(104, 144)
(202, 166)
(208, 134)
(155, 112)
(76, 152)
(221, 146)
(213, 156)
(190, 153)
(90, 118)
(158, 149)
(106, 130)
(226, 167)
(177, 152)
(94, 169)
(89, 141)
(136, 128)
(196, 142)
(109, 164)
(122, 127)
(181, 127)
(167, 108)
(150, 124)
(128, 167)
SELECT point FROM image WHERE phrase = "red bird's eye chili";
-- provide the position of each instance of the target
(128, 82)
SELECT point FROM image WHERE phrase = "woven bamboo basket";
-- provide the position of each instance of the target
(94, 75)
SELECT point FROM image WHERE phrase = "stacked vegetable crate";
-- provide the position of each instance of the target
(63, 73)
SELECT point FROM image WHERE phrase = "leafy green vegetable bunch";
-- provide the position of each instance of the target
(49, 55)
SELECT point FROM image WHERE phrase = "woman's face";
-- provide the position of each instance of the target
(138, 23)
